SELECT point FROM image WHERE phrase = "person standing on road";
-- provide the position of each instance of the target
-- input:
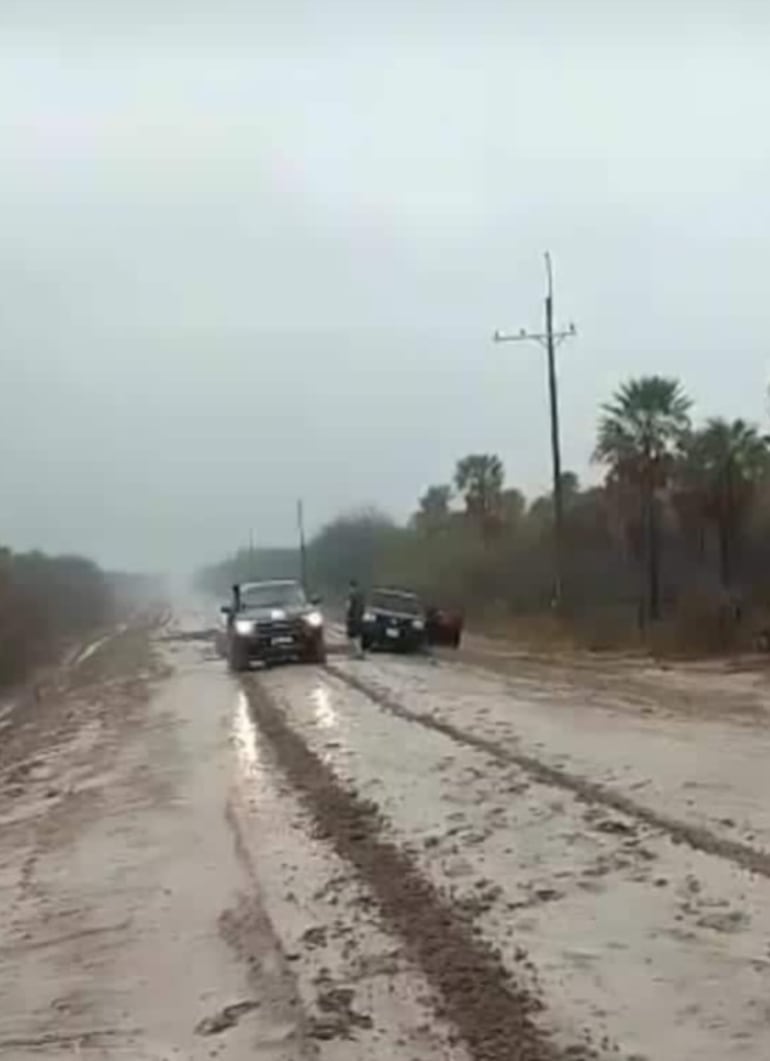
(354, 617)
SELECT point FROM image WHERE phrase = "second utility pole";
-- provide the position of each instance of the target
(550, 340)
(302, 546)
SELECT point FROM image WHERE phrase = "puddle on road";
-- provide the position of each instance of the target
(245, 735)
(324, 712)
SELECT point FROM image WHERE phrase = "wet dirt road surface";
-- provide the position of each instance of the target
(389, 858)
(130, 928)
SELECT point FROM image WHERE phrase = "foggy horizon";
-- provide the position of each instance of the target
(259, 254)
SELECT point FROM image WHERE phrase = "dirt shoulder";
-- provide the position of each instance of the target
(117, 664)
(121, 892)
(736, 688)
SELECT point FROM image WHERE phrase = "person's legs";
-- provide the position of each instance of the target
(353, 635)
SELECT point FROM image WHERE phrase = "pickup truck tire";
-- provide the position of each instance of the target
(316, 654)
(237, 658)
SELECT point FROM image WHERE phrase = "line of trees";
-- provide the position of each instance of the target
(682, 513)
(710, 479)
(44, 601)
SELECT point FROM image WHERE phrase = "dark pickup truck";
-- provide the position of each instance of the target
(270, 622)
(393, 619)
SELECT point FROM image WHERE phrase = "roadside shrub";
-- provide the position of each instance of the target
(44, 601)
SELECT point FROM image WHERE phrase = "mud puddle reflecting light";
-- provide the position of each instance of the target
(325, 715)
(245, 738)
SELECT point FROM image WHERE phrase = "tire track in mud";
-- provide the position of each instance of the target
(697, 837)
(495, 1017)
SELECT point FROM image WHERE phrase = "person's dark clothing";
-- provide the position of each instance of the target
(237, 597)
(354, 613)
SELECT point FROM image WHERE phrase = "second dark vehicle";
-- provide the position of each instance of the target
(271, 622)
(393, 619)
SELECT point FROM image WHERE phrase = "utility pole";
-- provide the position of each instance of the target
(550, 339)
(302, 547)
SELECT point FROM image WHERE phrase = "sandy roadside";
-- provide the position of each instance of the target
(736, 689)
(117, 870)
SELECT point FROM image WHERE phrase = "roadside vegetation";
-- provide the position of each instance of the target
(45, 602)
(671, 549)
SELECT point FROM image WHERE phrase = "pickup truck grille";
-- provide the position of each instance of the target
(384, 622)
(278, 628)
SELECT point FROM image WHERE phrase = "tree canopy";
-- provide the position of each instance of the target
(678, 500)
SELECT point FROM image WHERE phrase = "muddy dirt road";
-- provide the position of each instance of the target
(392, 858)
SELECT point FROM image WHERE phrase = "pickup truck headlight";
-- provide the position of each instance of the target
(418, 624)
(314, 620)
(369, 617)
(244, 627)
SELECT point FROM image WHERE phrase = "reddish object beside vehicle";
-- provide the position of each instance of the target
(444, 627)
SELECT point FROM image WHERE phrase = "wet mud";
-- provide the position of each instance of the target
(495, 1017)
(699, 838)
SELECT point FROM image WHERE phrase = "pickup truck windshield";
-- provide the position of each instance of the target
(272, 595)
(386, 600)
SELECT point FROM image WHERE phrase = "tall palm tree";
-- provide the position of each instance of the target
(639, 432)
(723, 464)
(479, 478)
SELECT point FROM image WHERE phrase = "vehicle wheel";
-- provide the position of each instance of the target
(237, 658)
(456, 639)
(366, 644)
(316, 653)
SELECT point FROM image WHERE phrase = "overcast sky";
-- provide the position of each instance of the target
(251, 250)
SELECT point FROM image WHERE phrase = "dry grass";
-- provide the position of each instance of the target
(701, 626)
(605, 630)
